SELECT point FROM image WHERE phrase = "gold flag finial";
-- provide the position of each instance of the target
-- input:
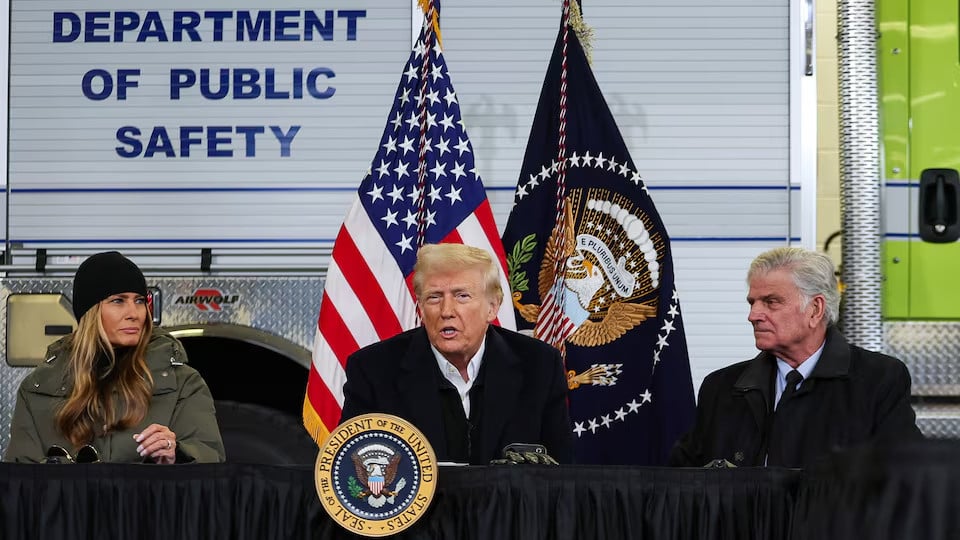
(584, 32)
(425, 5)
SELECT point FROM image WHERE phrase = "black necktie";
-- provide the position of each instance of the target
(794, 378)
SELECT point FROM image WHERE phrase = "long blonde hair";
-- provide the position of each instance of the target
(90, 406)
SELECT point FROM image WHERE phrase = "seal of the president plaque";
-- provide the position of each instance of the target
(376, 474)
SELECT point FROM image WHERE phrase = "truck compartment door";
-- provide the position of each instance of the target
(34, 321)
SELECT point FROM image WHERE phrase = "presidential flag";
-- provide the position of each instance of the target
(592, 273)
(422, 188)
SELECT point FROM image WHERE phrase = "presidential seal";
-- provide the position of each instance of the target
(376, 474)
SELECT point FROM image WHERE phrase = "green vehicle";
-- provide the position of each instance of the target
(919, 89)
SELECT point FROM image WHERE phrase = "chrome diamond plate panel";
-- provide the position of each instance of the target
(859, 172)
(283, 306)
(939, 421)
(931, 350)
(11, 377)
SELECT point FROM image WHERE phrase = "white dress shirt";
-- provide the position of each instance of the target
(805, 369)
(452, 374)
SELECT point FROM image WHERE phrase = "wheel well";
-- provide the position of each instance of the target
(258, 393)
(247, 372)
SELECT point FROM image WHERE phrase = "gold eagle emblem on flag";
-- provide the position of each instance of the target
(611, 267)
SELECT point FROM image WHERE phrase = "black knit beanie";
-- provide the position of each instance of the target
(102, 275)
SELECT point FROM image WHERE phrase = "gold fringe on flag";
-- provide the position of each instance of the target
(315, 427)
(425, 5)
(584, 32)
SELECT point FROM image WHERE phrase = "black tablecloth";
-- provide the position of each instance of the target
(908, 493)
(887, 492)
(264, 502)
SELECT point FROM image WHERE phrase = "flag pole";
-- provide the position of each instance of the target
(549, 324)
(431, 34)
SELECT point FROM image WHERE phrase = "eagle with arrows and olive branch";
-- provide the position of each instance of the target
(602, 315)
(376, 472)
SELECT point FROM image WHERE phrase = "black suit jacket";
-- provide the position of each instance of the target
(524, 398)
(853, 396)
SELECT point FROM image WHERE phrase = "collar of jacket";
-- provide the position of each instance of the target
(834, 362)
(163, 354)
(755, 383)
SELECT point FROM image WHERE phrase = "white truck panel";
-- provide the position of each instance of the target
(703, 101)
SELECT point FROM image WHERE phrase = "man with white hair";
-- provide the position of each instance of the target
(808, 391)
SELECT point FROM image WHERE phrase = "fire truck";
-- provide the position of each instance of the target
(918, 98)
(220, 148)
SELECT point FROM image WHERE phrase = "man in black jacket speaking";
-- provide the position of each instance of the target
(808, 391)
(472, 388)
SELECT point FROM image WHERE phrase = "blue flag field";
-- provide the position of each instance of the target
(598, 282)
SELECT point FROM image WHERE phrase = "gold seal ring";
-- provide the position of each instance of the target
(376, 474)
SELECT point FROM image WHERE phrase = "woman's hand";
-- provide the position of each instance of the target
(157, 442)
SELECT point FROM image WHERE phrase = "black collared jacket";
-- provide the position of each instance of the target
(853, 397)
(524, 398)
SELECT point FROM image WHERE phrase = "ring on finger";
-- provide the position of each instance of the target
(169, 444)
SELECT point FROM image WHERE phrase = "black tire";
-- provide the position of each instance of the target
(257, 434)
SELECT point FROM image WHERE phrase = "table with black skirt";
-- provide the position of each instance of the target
(894, 493)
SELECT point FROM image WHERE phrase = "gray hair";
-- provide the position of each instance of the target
(813, 273)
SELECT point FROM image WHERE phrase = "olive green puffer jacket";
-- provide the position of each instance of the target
(181, 401)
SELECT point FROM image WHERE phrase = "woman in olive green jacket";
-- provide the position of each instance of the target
(115, 384)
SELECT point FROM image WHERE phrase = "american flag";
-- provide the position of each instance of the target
(422, 188)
